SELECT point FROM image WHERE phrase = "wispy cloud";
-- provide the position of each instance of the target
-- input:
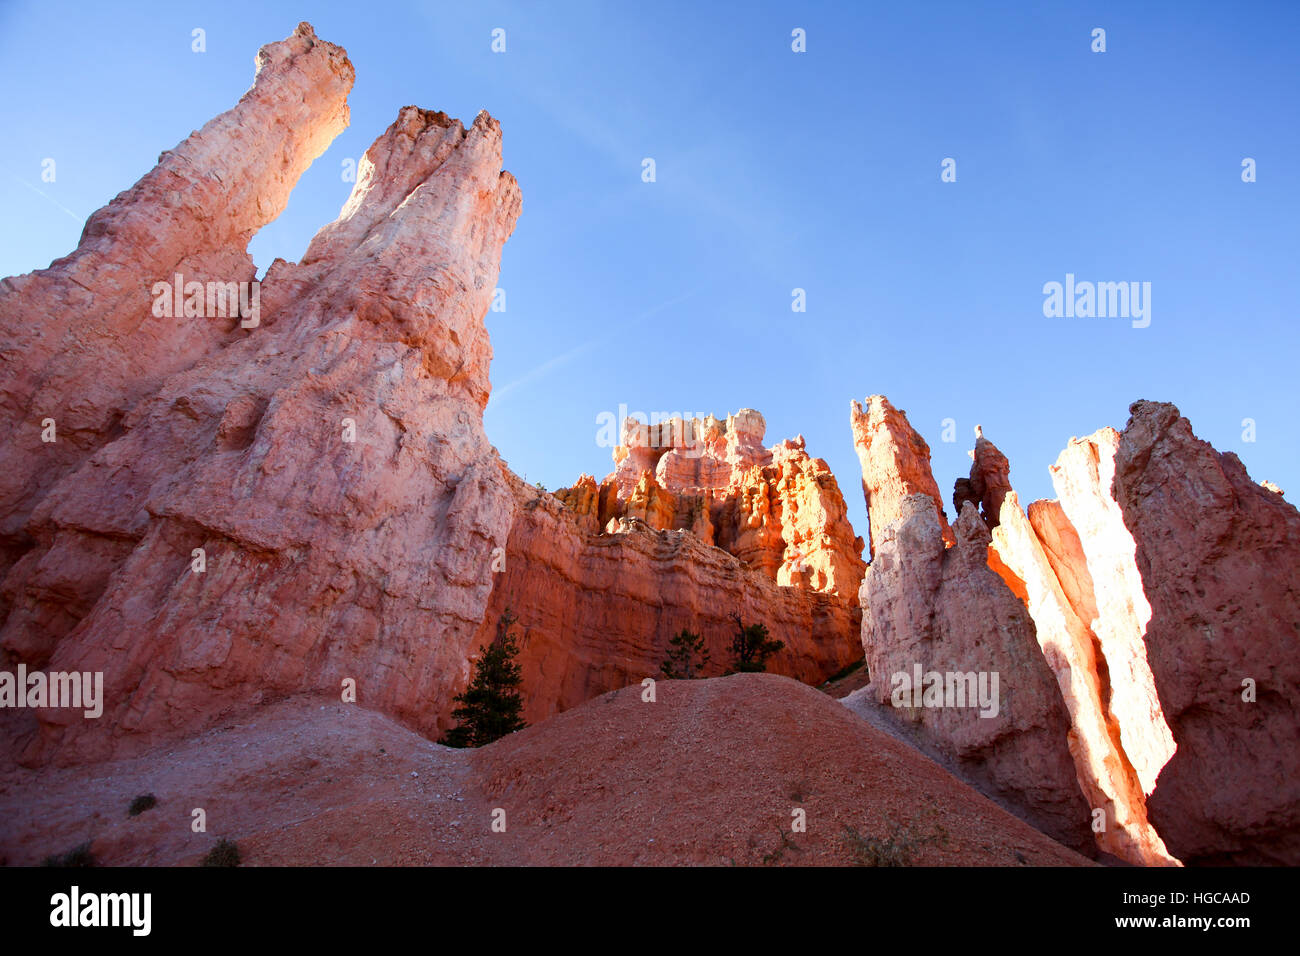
(551, 364)
(51, 199)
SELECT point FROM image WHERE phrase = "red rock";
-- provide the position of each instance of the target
(192, 215)
(1104, 772)
(895, 463)
(326, 559)
(1220, 559)
(596, 612)
(777, 509)
(708, 774)
(943, 610)
(1117, 610)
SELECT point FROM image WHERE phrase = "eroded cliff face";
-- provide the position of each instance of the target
(895, 463)
(1219, 557)
(595, 612)
(80, 344)
(777, 509)
(327, 468)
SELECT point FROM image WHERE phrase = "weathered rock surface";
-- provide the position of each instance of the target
(989, 481)
(1220, 559)
(596, 612)
(1116, 611)
(192, 215)
(777, 509)
(1105, 775)
(895, 463)
(929, 608)
(330, 462)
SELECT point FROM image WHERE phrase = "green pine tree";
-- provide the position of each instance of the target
(489, 708)
(751, 647)
(687, 657)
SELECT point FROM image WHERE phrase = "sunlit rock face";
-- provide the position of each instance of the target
(1219, 557)
(82, 345)
(777, 509)
(895, 463)
(1106, 776)
(1118, 605)
(595, 612)
(328, 464)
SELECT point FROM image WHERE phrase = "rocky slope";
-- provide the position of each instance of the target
(710, 773)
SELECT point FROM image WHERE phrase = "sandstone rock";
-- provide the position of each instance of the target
(895, 463)
(326, 558)
(943, 610)
(1220, 559)
(1105, 775)
(1117, 610)
(596, 612)
(192, 215)
(988, 483)
(777, 509)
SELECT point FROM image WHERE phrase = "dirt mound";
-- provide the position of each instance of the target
(709, 773)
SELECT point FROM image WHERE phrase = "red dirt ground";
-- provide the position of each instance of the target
(708, 774)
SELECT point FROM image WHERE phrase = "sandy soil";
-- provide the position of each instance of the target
(707, 774)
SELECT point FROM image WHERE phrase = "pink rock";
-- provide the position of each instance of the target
(327, 559)
(1220, 559)
(936, 609)
(895, 463)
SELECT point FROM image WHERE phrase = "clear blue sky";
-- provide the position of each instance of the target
(777, 170)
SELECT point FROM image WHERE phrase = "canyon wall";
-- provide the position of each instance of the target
(595, 612)
(931, 608)
(777, 509)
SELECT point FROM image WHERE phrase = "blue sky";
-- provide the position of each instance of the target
(777, 170)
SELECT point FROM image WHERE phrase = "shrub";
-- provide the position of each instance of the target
(225, 853)
(146, 801)
(77, 856)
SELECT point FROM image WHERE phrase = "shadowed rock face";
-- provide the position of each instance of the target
(1220, 561)
(1161, 579)
(330, 462)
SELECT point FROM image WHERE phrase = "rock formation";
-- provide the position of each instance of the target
(929, 609)
(1220, 560)
(272, 509)
(895, 463)
(595, 612)
(777, 509)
